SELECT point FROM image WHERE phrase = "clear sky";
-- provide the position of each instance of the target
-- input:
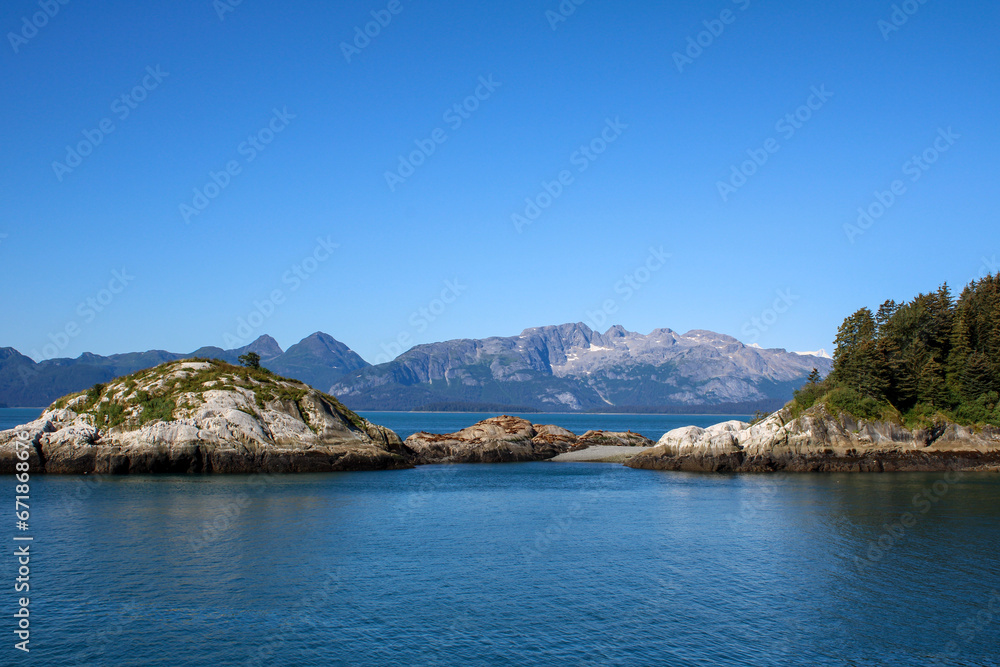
(115, 113)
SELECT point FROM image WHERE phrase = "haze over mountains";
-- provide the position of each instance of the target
(554, 368)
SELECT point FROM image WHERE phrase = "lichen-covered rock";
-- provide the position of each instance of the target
(203, 417)
(612, 439)
(820, 442)
(501, 439)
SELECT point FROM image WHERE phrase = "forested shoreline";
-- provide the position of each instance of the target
(925, 362)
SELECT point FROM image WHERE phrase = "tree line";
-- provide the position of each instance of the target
(925, 361)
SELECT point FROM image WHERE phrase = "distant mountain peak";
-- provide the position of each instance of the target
(323, 341)
(572, 367)
(818, 353)
(265, 346)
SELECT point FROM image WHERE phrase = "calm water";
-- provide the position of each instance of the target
(522, 564)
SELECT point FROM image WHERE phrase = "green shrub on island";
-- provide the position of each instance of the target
(921, 363)
(112, 403)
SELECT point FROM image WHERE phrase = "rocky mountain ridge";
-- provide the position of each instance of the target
(571, 367)
(318, 360)
(556, 368)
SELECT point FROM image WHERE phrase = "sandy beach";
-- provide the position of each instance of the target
(601, 454)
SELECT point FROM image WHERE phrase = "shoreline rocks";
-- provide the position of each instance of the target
(817, 441)
(202, 417)
(507, 439)
(503, 439)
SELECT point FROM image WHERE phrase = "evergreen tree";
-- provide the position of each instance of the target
(931, 354)
(933, 391)
(856, 362)
(250, 360)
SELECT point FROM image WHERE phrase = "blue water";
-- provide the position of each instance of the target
(11, 417)
(519, 564)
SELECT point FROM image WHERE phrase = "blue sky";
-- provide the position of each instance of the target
(640, 138)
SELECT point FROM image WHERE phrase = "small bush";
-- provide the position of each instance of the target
(849, 401)
(110, 415)
(158, 408)
(807, 396)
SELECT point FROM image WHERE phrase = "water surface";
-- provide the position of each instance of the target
(519, 564)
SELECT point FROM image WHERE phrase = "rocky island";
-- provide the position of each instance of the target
(818, 441)
(507, 439)
(202, 416)
(913, 387)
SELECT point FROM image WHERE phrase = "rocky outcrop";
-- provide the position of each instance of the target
(817, 441)
(611, 439)
(502, 439)
(509, 439)
(203, 417)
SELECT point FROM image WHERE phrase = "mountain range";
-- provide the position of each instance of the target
(554, 368)
(318, 360)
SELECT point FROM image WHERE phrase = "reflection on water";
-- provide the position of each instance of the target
(538, 563)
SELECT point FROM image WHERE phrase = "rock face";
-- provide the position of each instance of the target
(509, 439)
(572, 367)
(819, 442)
(496, 440)
(611, 439)
(203, 417)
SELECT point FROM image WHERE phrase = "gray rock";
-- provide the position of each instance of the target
(612, 439)
(225, 420)
(501, 439)
(817, 441)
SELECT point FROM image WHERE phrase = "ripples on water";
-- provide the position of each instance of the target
(537, 564)
(524, 564)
